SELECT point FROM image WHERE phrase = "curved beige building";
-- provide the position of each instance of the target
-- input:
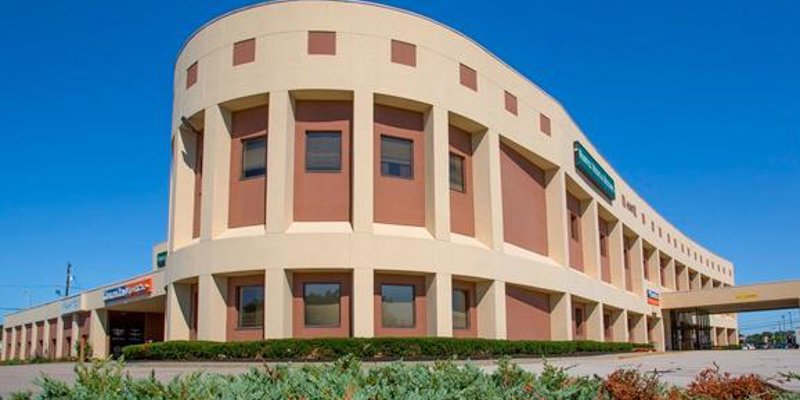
(350, 169)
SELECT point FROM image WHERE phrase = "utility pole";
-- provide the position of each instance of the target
(69, 280)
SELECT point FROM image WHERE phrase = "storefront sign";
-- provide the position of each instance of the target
(133, 289)
(71, 305)
(746, 296)
(653, 297)
(161, 259)
(587, 164)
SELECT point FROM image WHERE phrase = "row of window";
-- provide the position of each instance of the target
(404, 53)
(324, 154)
(322, 306)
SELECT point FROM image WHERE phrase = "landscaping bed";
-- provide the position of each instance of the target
(346, 379)
(369, 349)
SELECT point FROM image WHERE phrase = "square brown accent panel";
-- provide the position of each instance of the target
(511, 103)
(244, 52)
(404, 53)
(322, 42)
(468, 77)
(544, 124)
(191, 75)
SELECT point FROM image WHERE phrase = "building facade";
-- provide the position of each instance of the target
(349, 169)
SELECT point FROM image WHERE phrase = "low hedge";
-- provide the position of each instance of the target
(368, 349)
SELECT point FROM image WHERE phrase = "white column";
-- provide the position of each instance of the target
(437, 189)
(59, 336)
(491, 309)
(216, 173)
(639, 328)
(363, 163)
(560, 316)
(212, 308)
(98, 333)
(76, 333)
(594, 322)
(637, 266)
(280, 162)
(182, 211)
(488, 189)
(557, 216)
(363, 302)
(178, 312)
(440, 304)
(590, 238)
(616, 256)
(278, 301)
(619, 327)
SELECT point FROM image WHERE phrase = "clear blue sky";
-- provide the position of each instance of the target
(694, 103)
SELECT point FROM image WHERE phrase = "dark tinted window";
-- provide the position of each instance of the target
(397, 157)
(323, 151)
(321, 304)
(254, 157)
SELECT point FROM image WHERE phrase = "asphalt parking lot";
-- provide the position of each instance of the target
(676, 368)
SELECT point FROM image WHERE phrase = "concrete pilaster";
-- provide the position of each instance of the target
(561, 316)
(363, 161)
(557, 216)
(183, 164)
(491, 309)
(594, 321)
(440, 304)
(619, 327)
(590, 238)
(639, 325)
(98, 333)
(212, 308)
(178, 312)
(363, 299)
(280, 162)
(278, 301)
(636, 254)
(616, 256)
(437, 173)
(216, 172)
(488, 190)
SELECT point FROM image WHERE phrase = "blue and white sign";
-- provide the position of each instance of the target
(136, 288)
(71, 305)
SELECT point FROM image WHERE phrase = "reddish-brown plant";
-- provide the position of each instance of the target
(628, 384)
(712, 384)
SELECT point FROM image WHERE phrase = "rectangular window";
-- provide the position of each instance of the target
(250, 306)
(397, 157)
(322, 305)
(397, 306)
(254, 157)
(457, 173)
(323, 151)
(574, 227)
(460, 309)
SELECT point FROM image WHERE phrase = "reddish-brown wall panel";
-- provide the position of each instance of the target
(39, 352)
(626, 260)
(397, 200)
(527, 314)
(234, 333)
(524, 204)
(420, 315)
(462, 207)
(575, 240)
(247, 204)
(322, 196)
(299, 329)
(66, 344)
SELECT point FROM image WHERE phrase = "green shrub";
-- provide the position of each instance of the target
(367, 349)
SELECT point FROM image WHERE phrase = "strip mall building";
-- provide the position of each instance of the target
(350, 169)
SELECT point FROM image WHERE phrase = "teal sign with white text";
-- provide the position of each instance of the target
(587, 164)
